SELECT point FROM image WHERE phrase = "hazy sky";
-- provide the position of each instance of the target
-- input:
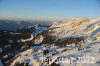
(48, 9)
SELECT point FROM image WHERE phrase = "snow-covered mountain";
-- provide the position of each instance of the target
(62, 39)
(75, 27)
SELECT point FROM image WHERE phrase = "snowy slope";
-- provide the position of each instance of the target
(75, 27)
(72, 27)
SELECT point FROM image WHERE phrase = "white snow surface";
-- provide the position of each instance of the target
(75, 27)
(29, 39)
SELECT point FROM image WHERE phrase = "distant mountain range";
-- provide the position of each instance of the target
(13, 24)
